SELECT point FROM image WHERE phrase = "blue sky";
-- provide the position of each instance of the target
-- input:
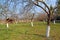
(50, 2)
(18, 8)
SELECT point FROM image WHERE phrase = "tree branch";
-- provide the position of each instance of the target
(45, 4)
(40, 7)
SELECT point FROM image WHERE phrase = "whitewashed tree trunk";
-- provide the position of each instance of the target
(16, 22)
(54, 22)
(48, 31)
(7, 25)
(32, 24)
(44, 21)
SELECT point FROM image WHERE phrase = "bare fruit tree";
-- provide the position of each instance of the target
(26, 6)
(48, 14)
(32, 20)
(53, 14)
(36, 2)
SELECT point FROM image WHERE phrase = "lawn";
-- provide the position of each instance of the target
(24, 31)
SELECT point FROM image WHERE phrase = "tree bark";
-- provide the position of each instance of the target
(54, 22)
(32, 24)
(48, 31)
(7, 25)
(48, 26)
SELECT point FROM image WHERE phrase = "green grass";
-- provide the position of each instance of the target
(24, 31)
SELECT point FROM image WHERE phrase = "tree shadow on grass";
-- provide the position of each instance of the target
(5, 29)
(25, 33)
(39, 35)
(1, 29)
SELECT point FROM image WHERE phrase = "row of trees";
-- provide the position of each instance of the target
(58, 7)
(22, 7)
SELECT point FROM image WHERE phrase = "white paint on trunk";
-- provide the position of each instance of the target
(48, 31)
(54, 22)
(7, 25)
(32, 24)
(16, 22)
(44, 21)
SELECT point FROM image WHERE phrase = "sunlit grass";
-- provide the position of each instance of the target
(24, 31)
